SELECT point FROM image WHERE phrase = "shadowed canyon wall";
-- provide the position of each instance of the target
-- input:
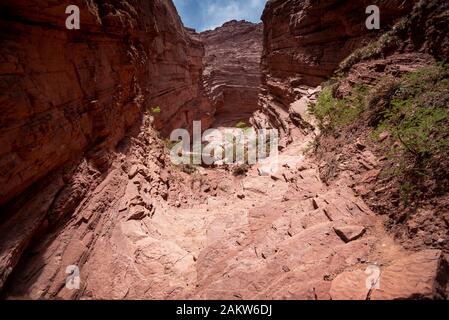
(305, 41)
(82, 89)
(72, 95)
(232, 69)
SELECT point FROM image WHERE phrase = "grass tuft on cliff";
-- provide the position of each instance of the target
(417, 113)
(387, 42)
(242, 125)
(155, 110)
(334, 112)
(414, 109)
(408, 119)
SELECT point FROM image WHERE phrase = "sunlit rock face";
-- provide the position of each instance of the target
(232, 69)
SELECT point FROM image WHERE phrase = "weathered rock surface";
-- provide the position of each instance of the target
(68, 97)
(423, 275)
(110, 229)
(147, 232)
(78, 89)
(304, 42)
(138, 227)
(350, 233)
(232, 69)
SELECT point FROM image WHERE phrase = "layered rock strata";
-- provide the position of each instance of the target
(68, 97)
(137, 227)
(232, 69)
(305, 41)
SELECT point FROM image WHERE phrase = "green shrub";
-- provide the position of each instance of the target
(156, 110)
(418, 113)
(334, 112)
(242, 125)
(325, 104)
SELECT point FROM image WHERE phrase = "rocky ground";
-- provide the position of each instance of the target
(149, 231)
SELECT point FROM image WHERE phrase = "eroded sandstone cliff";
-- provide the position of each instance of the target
(232, 69)
(304, 42)
(403, 73)
(112, 205)
(68, 97)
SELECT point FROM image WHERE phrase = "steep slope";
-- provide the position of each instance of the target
(392, 88)
(70, 96)
(149, 232)
(232, 69)
(305, 41)
(390, 99)
(123, 237)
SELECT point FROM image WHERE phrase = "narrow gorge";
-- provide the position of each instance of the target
(87, 178)
(232, 70)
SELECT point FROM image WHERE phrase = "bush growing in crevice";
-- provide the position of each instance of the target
(240, 170)
(155, 110)
(242, 125)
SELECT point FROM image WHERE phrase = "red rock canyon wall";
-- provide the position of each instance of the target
(305, 41)
(72, 96)
(232, 69)
(78, 90)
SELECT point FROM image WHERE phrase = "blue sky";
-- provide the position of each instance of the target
(209, 14)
